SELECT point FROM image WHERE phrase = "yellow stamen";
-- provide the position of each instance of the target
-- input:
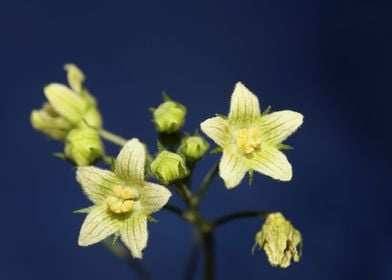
(248, 140)
(122, 200)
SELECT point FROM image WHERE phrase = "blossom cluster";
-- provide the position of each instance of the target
(124, 197)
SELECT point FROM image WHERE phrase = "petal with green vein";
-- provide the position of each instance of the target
(154, 197)
(244, 106)
(216, 128)
(99, 224)
(232, 169)
(134, 233)
(272, 162)
(96, 183)
(131, 160)
(277, 126)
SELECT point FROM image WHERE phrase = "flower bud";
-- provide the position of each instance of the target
(169, 117)
(279, 240)
(83, 146)
(194, 147)
(169, 167)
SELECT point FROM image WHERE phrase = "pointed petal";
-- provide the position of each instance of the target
(130, 161)
(271, 162)
(232, 169)
(244, 106)
(96, 183)
(277, 126)
(217, 129)
(99, 224)
(134, 233)
(154, 197)
(75, 77)
(65, 102)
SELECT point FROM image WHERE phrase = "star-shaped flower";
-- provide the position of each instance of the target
(122, 199)
(251, 140)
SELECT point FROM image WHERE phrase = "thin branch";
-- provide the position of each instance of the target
(207, 181)
(111, 137)
(121, 252)
(239, 215)
(174, 209)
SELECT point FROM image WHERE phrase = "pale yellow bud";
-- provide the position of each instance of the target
(169, 117)
(169, 167)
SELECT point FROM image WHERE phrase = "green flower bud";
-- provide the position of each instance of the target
(83, 146)
(169, 167)
(279, 240)
(194, 147)
(169, 117)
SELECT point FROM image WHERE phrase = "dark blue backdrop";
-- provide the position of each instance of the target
(330, 60)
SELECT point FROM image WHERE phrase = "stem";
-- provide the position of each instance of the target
(174, 209)
(111, 137)
(240, 215)
(194, 255)
(209, 251)
(122, 253)
(207, 181)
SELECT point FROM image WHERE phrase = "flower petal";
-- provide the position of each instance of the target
(232, 169)
(277, 126)
(75, 77)
(217, 129)
(65, 102)
(96, 183)
(134, 233)
(244, 106)
(99, 224)
(130, 161)
(272, 162)
(154, 197)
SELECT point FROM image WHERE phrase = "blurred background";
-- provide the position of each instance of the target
(330, 60)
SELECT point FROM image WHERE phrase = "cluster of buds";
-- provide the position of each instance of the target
(71, 115)
(279, 240)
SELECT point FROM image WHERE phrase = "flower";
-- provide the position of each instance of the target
(169, 167)
(67, 108)
(122, 199)
(193, 147)
(279, 239)
(169, 117)
(83, 146)
(251, 140)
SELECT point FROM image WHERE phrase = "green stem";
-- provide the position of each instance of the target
(240, 215)
(206, 182)
(122, 253)
(111, 137)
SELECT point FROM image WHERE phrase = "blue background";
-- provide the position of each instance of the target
(330, 60)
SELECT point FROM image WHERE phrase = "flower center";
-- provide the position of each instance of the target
(123, 199)
(248, 139)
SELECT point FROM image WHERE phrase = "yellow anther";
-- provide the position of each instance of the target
(127, 206)
(117, 190)
(248, 140)
(129, 193)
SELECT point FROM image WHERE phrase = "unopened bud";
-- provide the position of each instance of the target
(169, 167)
(83, 146)
(169, 117)
(194, 147)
